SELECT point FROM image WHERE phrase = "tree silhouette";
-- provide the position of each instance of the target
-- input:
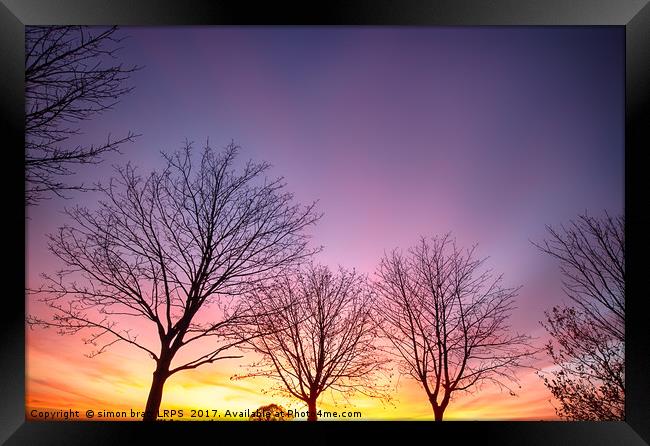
(270, 412)
(71, 75)
(447, 322)
(588, 337)
(176, 249)
(320, 336)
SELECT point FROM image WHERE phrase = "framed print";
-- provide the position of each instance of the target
(422, 217)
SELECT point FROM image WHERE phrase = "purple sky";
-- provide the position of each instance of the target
(399, 132)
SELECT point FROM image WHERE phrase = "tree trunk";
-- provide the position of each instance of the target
(439, 408)
(311, 408)
(160, 375)
(438, 412)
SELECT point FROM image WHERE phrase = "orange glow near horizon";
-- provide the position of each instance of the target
(60, 377)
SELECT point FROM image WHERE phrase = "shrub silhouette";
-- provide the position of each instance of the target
(271, 412)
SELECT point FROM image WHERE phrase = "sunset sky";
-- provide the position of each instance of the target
(490, 133)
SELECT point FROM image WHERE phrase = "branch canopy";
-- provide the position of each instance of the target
(314, 332)
(446, 319)
(176, 248)
(71, 75)
(587, 342)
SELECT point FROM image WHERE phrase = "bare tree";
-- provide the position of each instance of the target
(315, 333)
(588, 337)
(447, 322)
(71, 75)
(174, 249)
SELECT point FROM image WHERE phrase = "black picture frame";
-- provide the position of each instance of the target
(634, 15)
